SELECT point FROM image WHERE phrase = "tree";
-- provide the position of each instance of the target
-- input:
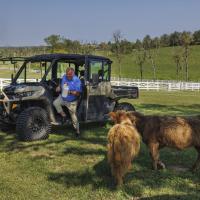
(127, 47)
(196, 37)
(164, 40)
(177, 57)
(138, 44)
(147, 42)
(103, 46)
(155, 42)
(152, 55)
(76, 46)
(87, 48)
(140, 60)
(117, 48)
(174, 39)
(53, 41)
(67, 44)
(186, 40)
(151, 46)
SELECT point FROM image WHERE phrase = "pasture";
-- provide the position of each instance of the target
(64, 167)
(165, 65)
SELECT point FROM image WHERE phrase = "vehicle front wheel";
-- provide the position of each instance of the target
(124, 106)
(33, 124)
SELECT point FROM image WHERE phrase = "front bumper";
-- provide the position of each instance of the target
(6, 103)
(6, 107)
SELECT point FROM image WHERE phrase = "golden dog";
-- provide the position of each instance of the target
(123, 145)
(171, 131)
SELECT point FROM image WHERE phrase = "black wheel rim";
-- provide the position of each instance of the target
(37, 124)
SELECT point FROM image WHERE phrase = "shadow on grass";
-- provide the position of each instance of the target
(81, 179)
(95, 135)
(83, 151)
(172, 197)
(135, 182)
(92, 133)
(99, 177)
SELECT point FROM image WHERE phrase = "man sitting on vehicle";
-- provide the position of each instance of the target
(70, 89)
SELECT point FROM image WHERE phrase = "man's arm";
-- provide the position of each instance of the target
(77, 91)
(59, 87)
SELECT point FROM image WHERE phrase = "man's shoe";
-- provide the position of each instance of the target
(56, 123)
(77, 135)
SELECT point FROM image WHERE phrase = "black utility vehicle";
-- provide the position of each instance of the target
(27, 102)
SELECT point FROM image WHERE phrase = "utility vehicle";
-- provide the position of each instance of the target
(27, 102)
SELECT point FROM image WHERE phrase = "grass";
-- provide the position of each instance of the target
(64, 167)
(165, 65)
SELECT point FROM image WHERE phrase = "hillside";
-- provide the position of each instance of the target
(166, 67)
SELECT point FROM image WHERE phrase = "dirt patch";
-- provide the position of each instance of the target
(46, 155)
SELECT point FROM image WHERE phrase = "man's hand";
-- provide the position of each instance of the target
(58, 89)
(75, 93)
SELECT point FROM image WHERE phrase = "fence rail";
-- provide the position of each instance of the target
(5, 81)
(142, 85)
(168, 85)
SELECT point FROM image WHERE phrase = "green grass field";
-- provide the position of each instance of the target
(165, 70)
(166, 67)
(64, 167)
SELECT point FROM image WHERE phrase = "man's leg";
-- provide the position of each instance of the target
(58, 102)
(72, 106)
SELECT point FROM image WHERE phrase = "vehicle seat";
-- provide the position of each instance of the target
(100, 75)
(81, 77)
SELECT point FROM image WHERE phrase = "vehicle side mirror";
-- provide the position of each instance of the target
(95, 79)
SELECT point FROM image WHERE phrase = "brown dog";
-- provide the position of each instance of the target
(171, 131)
(123, 145)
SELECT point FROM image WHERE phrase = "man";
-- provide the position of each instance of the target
(71, 89)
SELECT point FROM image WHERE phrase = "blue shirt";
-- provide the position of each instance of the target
(74, 85)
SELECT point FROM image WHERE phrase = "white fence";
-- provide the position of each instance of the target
(168, 85)
(5, 82)
(143, 85)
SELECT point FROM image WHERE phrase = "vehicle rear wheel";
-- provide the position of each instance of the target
(33, 124)
(124, 106)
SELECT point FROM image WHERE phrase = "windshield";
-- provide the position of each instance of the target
(33, 72)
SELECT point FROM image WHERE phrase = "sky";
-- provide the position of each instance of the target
(28, 22)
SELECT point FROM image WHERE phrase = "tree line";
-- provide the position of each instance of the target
(146, 49)
(56, 42)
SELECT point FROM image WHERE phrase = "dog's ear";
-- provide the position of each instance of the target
(113, 116)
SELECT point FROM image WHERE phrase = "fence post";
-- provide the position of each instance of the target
(169, 86)
(158, 85)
